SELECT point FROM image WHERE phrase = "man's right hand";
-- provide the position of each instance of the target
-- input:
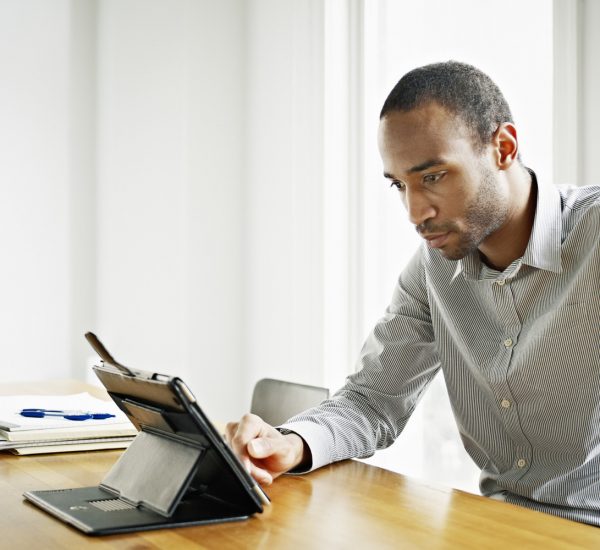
(264, 451)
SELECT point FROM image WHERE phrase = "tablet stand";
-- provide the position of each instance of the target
(154, 472)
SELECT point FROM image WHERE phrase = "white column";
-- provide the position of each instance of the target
(590, 73)
(47, 186)
(567, 116)
(283, 192)
(170, 191)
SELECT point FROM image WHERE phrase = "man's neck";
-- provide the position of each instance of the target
(509, 242)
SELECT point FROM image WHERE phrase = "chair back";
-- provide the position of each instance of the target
(275, 401)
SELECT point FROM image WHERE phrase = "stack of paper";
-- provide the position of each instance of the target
(53, 434)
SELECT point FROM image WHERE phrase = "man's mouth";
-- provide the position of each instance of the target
(436, 240)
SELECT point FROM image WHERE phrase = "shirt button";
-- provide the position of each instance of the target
(521, 463)
(500, 282)
(508, 343)
(505, 403)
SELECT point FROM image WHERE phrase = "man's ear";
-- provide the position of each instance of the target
(506, 145)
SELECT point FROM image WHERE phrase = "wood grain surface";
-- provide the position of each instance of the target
(345, 505)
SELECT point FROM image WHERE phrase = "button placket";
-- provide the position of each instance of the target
(503, 294)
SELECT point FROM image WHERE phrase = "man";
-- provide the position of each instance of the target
(503, 296)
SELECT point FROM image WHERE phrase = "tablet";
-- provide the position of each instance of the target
(178, 470)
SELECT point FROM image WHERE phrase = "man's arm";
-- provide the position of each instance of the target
(397, 362)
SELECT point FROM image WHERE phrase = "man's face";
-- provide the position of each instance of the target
(450, 189)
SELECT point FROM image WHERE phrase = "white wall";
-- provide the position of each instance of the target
(82, 179)
(171, 178)
(589, 116)
(576, 90)
(162, 186)
(210, 192)
(122, 176)
(47, 176)
(283, 192)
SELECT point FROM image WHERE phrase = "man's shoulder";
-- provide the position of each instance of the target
(435, 265)
(580, 198)
(427, 266)
(580, 214)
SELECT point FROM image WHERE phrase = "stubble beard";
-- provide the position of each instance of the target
(484, 215)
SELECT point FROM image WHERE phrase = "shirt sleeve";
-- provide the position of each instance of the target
(396, 364)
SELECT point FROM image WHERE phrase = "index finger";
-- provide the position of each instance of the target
(239, 434)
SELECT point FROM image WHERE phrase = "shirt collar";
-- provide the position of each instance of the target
(543, 249)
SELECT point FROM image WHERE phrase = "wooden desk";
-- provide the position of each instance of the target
(349, 504)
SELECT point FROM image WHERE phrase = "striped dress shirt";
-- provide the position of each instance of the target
(520, 354)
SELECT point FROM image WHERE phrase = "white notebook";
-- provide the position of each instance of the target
(15, 427)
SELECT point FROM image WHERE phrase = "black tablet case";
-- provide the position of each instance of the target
(178, 471)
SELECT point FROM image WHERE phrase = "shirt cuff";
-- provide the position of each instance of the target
(316, 437)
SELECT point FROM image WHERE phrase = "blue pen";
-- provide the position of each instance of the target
(68, 415)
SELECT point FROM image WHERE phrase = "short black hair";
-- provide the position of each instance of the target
(461, 88)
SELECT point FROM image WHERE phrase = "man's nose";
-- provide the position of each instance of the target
(419, 207)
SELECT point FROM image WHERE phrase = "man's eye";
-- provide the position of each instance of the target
(397, 184)
(433, 178)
